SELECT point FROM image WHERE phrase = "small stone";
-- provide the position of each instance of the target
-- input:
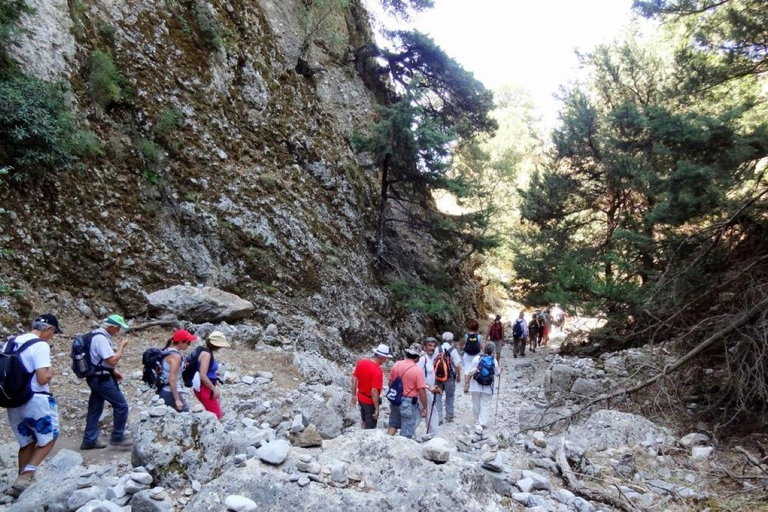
(240, 503)
(701, 452)
(132, 486)
(275, 452)
(142, 478)
(488, 456)
(694, 439)
(158, 411)
(248, 379)
(196, 486)
(690, 478)
(305, 457)
(303, 481)
(525, 485)
(437, 450)
(540, 483)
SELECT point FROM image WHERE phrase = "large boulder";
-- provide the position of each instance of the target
(183, 446)
(561, 376)
(199, 304)
(326, 407)
(612, 429)
(393, 476)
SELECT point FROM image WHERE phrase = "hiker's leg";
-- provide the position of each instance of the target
(394, 422)
(111, 392)
(410, 414)
(485, 401)
(366, 413)
(210, 403)
(439, 407)
(476, 405)
(450, 395)
(95, 408)
(44, 412)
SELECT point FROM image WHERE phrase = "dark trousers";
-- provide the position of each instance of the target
(105, 389)
(366, 412)
(518, 346)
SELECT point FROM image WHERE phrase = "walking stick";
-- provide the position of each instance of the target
(429, 417)
(498, 395)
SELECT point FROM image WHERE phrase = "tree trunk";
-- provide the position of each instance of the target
(382, 206)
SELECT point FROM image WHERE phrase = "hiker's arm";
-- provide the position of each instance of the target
(113, 360)
(175, 364)
(44, 375)
(423, 399)
(375, 398)
(353, 400)
(205, 362)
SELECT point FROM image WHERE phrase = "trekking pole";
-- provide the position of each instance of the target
(498, 395)
(431, 409)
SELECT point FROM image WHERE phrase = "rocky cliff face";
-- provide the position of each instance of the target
(227, 162)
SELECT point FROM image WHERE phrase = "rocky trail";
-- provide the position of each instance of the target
(291, 441)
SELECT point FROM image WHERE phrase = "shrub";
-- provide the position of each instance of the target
(37, 131)
(209, 26)
(168, 121)
(421, 298)
(107, 84)
(10, 12)
(151, 151)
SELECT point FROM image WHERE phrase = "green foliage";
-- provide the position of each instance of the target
(10, 13)
(107, 32)
(151, 152)
(420, 298)
(107, 85)
(37, 131)
(168, 121)
(404, 9)
(209, 26)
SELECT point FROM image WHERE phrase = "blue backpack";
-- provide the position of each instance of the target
(485, 371)
(395, 391)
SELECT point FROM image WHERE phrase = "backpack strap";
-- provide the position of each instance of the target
(27, 344)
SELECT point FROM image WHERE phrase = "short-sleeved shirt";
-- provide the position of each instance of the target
(475, 386)
(427, 365)
(413, 379)
(101, 348)
(369, 376)
(453, 352)
(33, 358)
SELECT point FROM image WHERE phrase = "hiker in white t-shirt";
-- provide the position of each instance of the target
(36, 423)
(449, 386)
(434, 393)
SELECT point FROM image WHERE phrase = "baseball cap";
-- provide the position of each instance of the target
(51, 320)
(182, 336)
(117, 320)
(382, 350)
(414, 349)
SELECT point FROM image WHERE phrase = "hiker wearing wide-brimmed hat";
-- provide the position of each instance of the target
(105, 385)
(367, 383)
(205, 381)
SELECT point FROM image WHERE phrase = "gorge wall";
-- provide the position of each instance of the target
(227, 161)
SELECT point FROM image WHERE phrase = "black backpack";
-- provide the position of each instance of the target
(192, 364)
(82, 365)
(15, 379)
(152, 359)
(517, 329)
(472, 344)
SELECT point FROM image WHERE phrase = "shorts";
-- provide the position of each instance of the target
(366, 413)
(395, 419)
(36, 420)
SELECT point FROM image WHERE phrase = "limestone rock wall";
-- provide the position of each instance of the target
(257, 191)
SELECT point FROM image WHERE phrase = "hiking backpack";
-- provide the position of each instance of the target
(82, 365)
(152, 359)
(395, 391)
(485, 371)
(517, 329)
(443, 366)
(15, 379)
(192, 365)
(472, 344)
(495, 332)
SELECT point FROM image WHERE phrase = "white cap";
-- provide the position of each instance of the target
(382, 350)
(447, 336)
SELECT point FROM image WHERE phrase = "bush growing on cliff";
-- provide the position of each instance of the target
(209, 26)
(10, 12)
(421, 298)
(38, 133)
(107, 84)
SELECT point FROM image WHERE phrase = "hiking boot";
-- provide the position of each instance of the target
(124, 443)
(515, 356)
(98, 445)
(20, 484)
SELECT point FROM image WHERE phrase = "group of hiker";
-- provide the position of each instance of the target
(26, 374)
(422, 386)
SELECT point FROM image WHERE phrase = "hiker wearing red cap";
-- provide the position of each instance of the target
(172, 366)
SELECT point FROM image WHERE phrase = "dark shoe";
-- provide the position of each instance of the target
(515, 356)
(124, 443)
(522, 355)
(95, 446)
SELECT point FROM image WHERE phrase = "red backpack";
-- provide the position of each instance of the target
(495, 332)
